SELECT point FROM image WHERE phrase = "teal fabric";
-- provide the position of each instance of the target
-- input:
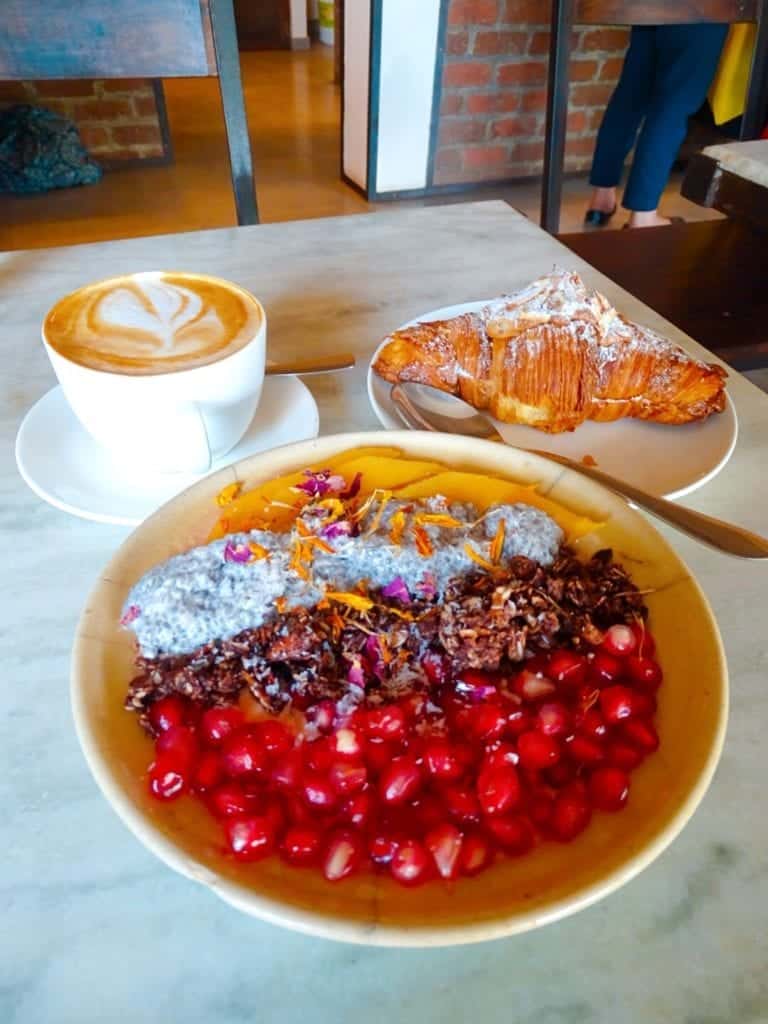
(40, 150)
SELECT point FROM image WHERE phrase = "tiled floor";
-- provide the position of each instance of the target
(293, 110)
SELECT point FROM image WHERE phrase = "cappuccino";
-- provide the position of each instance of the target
(152, 323)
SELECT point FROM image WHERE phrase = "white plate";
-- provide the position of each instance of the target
(663, 460)
(63, 464)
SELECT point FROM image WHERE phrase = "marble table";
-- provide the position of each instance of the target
(731, 177)
(96, 931)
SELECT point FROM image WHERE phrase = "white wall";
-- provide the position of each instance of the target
(298, 19)
(357, 35)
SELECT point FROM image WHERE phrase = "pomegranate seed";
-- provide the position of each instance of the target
(434, 667)
(591, 723)
(346, 743)
(537, 750)
(444, 843)
(560, 774)
(242, 754)
(617, 703)
(358, 809)
(318, 791)
(322, 715)
(498, 789)
(498, 755)
(605, 669)
(475, 855)
(381, 848)
(553, 719)
(623, 755)
(514, 834)
(442, 760)
(275, 737)
(167, 712)
(251, 838)
(571, 812)
(585, 749)
(532, 686)
(166, 778)
(486, 722)
(540, 805)
(297, 811)
(343, 855)
(228, 800)
(518, 721)
(620, 640)
(301, 844)
(286, 770)
(644, 705)
(567, 668)
(608, 789)
(180, 744)
(400, 781)
(644, 672)
(275, 813)
(379, 755)
(461, 804)
(216, 723)
(319, 755)
(348, 776)
(586, 698)
(646, 646)
(477, 686)
(386, 723)
(410, 863)
(208, 772)
(428, 811)
(642, 734)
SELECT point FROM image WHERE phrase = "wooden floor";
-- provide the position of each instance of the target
(293, 111)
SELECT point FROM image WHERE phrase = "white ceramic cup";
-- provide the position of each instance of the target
(180, 421)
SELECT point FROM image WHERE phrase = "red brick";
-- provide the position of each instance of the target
(119, 154)
(527, 12)
(533, 100)
(485, 156)
(532, 72)
(58, 105)
(448, 160)
(473, 12)
(539, 43)
(137, 134)
(530, 150)
(577, 121)
(466, 73)
(94, 136)
(595, 119)
(457, 43)
(125, 84)
(13, 92)
(582, 70)
(604, 39)
(594, 94)
(515, 127)
(492, 102)
(461, 130)
(487, 43)
(102, 110)
(611, 69)
(451, 103)
(145, 106)
(65, 87)
(580, 147)
(470, 175)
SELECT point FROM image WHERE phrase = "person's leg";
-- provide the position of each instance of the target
(622, 118)
(686, 61)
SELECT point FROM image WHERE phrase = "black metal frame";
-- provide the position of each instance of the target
(224, 33)
(557, 102)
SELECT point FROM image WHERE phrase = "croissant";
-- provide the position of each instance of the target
(552, 356)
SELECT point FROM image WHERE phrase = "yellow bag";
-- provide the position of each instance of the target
(728, 92)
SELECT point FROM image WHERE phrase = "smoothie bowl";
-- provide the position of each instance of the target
(400, 689)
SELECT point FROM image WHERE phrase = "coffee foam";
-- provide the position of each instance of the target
(152, 323)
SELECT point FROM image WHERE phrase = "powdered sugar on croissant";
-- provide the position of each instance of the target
(553, 355)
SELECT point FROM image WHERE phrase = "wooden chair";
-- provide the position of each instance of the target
(136, 39)
(566, 13)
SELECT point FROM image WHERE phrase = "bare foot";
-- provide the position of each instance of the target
(647, 219)
(603, 199)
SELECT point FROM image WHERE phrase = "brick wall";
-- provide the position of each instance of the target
(117, 119)
(494, 90)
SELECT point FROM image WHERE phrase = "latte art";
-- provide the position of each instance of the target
(152, 323)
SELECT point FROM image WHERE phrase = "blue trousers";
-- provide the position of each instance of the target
(667, 72)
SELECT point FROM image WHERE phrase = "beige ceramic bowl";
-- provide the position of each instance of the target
(513, 896)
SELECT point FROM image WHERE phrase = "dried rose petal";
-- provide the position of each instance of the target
(375, 655)
(397, 589)
(131, 613)
(341, 528)
(237, 552)
(427, 586)
(354, 488)
(319, 484)
(355, 674)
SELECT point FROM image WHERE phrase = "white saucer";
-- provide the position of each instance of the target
(63, 464)
(662, 460)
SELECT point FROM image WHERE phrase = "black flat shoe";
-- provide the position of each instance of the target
(598, 218)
